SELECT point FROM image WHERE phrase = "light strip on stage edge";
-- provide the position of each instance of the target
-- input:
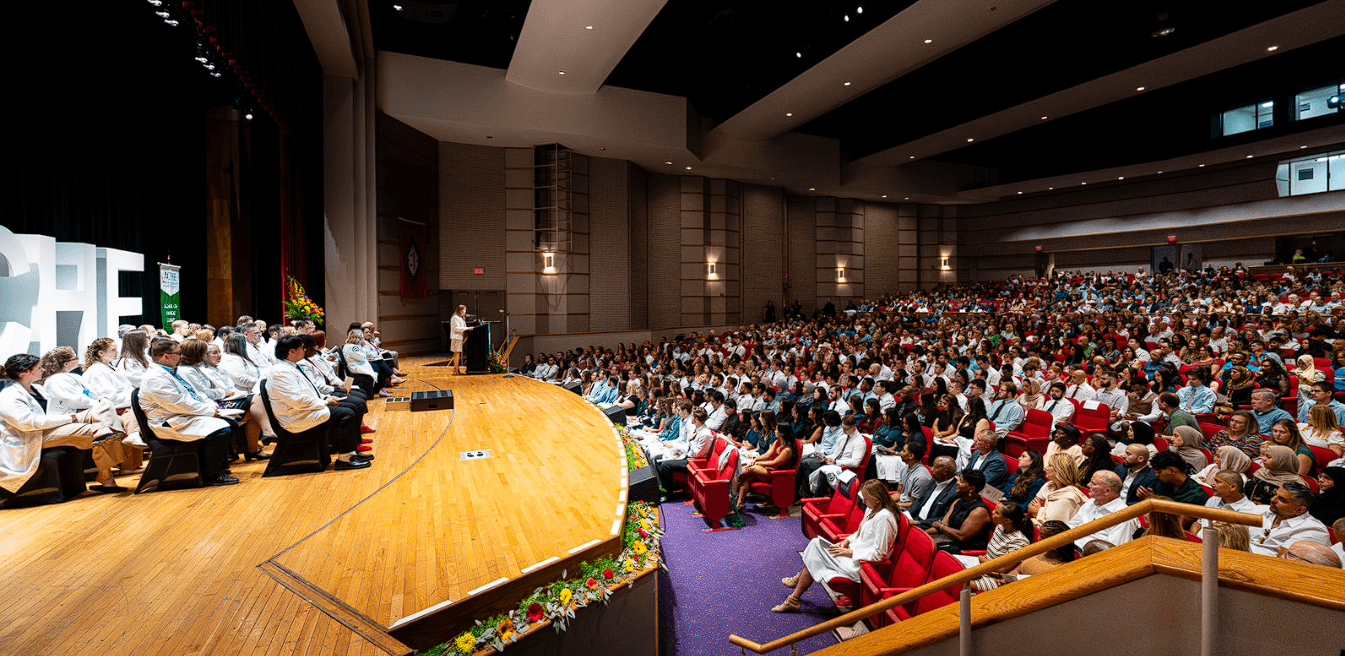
(584, 546)
(616, 527)
(489, 585)
(532, 568)
(621, 510)
(623, 496)
(420, 614)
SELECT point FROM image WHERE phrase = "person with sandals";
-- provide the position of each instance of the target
(779, 456)
(872, 542)
(26, 427)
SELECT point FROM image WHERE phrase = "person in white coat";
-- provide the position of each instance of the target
(873, 541)
(104, 380)
(236, 362)
(26, 428)
(299, 406)
(176, 411)
(319, 371)
(133, 361)
(210, 382)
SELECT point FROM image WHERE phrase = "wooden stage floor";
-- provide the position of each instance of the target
(233, 569)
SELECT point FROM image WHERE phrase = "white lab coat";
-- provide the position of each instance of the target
(132, 370)
(356, 361)
(208, 385)
(22, 425)
(243, 374)
(295, 399)
(69, 389)
(173, 413)
(104, 381)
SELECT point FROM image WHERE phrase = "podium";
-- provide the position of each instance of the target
(476, 348)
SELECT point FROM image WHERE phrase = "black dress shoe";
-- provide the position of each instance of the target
(362, 457)
(223, 479)
(352, 464)
(268, 439)
(258, 455)
(107, 489)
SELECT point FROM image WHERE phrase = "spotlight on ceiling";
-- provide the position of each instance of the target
(396, 7)
(214, 74)
(171, 22)
(859, 10)
(1163, 31)
(248, 115)
(162, 14)
(156, 3)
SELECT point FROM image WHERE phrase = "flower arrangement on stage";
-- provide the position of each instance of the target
(556, 603)
(634, 454)
(299, 306)
(497, 364)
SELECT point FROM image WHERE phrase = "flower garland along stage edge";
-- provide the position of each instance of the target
(557, 602)
(634, 454)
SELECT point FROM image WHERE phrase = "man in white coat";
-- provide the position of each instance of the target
(299, 407)
(177, 412)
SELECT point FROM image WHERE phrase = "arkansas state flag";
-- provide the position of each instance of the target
(412, 237)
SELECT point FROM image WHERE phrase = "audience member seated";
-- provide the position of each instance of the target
(966, 525)
(1013, 531)
(1285, 433)
(847, 452)
(780, 456)
(177, 412)
(1241, 433)
(872, 542)
(27, 426)
(134, 360)
(1321, 430)
(1065, 439)
(1024, 484)
(1310, 552)
(1104, 490)
(1227, 486)
(1286, 520)
(915, 478)
(209, 381)
(935, 501)
(1062, 496)
(1329, 505)
(699, 442)
(1052, 559)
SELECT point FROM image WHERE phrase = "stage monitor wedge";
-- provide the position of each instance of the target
(432, 400)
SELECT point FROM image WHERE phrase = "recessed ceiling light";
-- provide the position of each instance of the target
(1121, 177)
(1249, 157)
(971, 139)
(1020, 193)
(1049, 188)
(688, 168)
(1163, 31)
(812, 188)
(1201, 166)
(907, 198)
(667, 162)
(860, 10)
(772, 177)
(588, 27)
(847, 18)
(1083, 183)
(884, 195)
(1160, 171)
(789, 113)
(799, 55)
(847, 83)
(929, 40)
(1043, 118)
(396, 7)
(1272, 48)
(1139, 88)
(561, 72)
(1302, 147)
(912, 156)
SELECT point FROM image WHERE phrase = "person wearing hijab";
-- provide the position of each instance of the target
(1187, 442)
(1238, 385)
(1136, 432)
(1307, 373)
(1281, 467)
(1330, 504)
(1227, 458)
(1031, 394)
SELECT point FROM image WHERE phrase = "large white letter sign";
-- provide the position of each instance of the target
(59, 294)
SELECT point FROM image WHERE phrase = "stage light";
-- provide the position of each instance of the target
(1333, 102)
(847, 18)
(214, 74)
(248, 116)
(798, 55)
(156, 3)
(396, 7)
(163, 14)
(859, 10)
(210, 67)
(171, 22)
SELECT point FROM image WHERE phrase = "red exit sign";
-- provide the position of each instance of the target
(480, 270)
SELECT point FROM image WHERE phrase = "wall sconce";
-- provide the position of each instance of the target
(548, 262)
(840, 274)
(710, 271)
(945, 264)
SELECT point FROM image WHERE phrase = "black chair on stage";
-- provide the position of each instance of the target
(295, 453)
(59, 478)
(172, 463)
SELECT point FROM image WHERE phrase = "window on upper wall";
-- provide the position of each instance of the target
(1313, 102)
(1311, 175)
(1247, 118)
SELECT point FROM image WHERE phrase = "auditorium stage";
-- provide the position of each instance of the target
(337, 562)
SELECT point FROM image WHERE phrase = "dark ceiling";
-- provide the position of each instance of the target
(724, 55)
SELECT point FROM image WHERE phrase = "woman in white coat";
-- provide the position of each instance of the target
(238, 365)
(195, 368)
(358, 364)
(26, 428)
(102, 379)
(873, 541)
(133, 360)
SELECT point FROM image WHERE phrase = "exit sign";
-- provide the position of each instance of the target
(479, 271)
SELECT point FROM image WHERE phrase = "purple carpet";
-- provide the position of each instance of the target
(727, 582)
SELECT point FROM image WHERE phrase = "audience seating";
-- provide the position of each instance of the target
(835, 507)
(1034, 434)
(943, 565)
(295, 453)
(710, 491)
(906, 569)
(1210, 430)
(59, 478)
(835, 529)
(1096, 420)
(171, 462)
(1323, 456)
(781, 487)
(855, 590)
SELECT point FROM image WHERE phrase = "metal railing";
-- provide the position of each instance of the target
(1209, 576)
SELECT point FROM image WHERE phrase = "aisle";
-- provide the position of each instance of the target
(727, 582)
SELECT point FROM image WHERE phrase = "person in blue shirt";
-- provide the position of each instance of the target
(1265, 411)
(1322, 392)
(1196, 398)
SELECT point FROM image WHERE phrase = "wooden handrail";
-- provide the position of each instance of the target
(973, 573)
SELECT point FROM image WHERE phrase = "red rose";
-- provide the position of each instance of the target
(607, 574)
(643, 533)
(536, 612)
(592, 584)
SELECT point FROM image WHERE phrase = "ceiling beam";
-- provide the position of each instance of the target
(327, 31)
(571, 46)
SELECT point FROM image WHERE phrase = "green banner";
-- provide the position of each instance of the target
(169, 293)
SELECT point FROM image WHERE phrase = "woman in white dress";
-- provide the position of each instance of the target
(872, 542)
(26, 428)
(458, 332)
